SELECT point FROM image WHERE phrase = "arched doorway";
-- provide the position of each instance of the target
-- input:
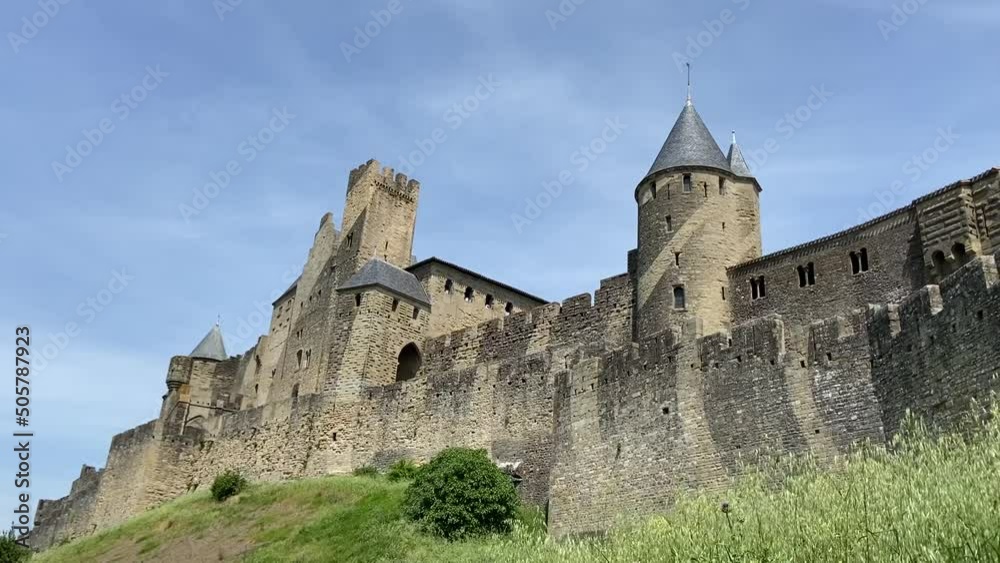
(409, 362)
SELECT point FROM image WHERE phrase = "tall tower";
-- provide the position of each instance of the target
(698, 215)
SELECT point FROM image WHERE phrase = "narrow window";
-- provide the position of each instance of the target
(256, 387)
(757, 288)
(298, 359)
(855, 263)
(668, 192)
(489, 301)
(357, 300)
(723, 225)
(722, 186)
(256, 370)
(350, 240)
(864, 259)
(334, 436)
(687, 183)
(416, 313)
(509, 308)
(706, 188)
(677, 258)
(652, 189)
(723, 293)
(807, 275)
(395, 305)
(680, 301)
(448, 286)
(295, 392)
(670, 224)
(309, 354)
(469, 293)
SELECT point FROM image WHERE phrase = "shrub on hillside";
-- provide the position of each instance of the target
(228, 484)
(366, 471)
(403, 470)
(10, 550)
(461, 493)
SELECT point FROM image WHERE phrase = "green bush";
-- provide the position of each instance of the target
(366, 471)
(461, 493)
(10, 550)
(403, 470)
(228, 484)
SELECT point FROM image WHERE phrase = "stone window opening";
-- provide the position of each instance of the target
(670, 224)
(305, 364)
(416, 313)
(357, 300)
(677, 258)
(508, 309)
(652, 189)
(807, 275)
(687, 184)
(395, 305)
(298, 360)
(489, 301)
(722, 186)
(959, 252)
(256, 388)
(408, 362)
(705, 184)
(723, 225)
(295, 392)
(448, 286)
(859, 261)
(334, 436)
(350, 240)
(469, 294)
(723, 293)
(680, 299)
(257, 365)
(757, 288)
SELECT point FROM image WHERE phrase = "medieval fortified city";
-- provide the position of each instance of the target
(705, 359)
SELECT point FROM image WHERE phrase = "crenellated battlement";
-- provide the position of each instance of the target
(386, 178)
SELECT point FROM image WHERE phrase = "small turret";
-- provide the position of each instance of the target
(211, 347)
(737, 163)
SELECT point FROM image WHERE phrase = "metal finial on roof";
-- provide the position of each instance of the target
(734, 136)
(690, 99)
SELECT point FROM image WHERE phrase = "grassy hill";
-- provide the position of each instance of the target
(930, 500)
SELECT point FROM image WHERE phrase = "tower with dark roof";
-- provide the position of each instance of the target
(698, 215)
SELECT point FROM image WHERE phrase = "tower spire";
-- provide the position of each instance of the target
(689, 99)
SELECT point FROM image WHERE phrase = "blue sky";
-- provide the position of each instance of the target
(197, 85)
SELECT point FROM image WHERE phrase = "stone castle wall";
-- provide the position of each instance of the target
(605, 419)
(638, 425)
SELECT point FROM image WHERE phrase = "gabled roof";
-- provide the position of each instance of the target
(380, 273)
(689, 144)
(435, 260)
(211, 347)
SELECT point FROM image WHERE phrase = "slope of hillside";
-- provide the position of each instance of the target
(932, 499)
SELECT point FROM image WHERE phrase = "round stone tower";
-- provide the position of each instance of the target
(699, 213)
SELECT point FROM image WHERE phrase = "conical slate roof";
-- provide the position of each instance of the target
(689, 144)
(211, 347)
(737, 163)
(381, 273)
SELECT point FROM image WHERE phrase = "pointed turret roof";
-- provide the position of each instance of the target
(737, 163)
(211, 347)
(378, 272)
(689, 144)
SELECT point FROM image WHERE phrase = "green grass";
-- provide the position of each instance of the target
(932, 499)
